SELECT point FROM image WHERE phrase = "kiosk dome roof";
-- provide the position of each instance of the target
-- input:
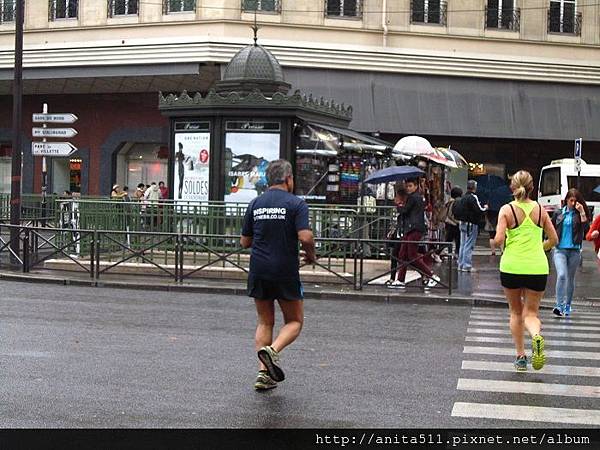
(253, 62)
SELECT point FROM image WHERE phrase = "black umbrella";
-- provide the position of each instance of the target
(394, 173)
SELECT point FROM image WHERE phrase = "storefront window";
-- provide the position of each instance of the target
(75, 175)
(249, 147)
(331, 163)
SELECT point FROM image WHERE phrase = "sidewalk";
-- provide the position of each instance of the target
(479, 287)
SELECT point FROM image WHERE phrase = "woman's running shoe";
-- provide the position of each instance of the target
(269, 357)
(538, 358)
(264, 382)
(521, 363)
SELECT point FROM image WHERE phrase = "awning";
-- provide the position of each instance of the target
(335, 139)
(439, 105)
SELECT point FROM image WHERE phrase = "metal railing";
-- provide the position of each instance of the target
(63, 9)
(564, 23)
(503, 19)
(117, 8)
(7, 11)
(344, 8)
(178, 256)
(429, 12)
(272, 6)
(172, 6)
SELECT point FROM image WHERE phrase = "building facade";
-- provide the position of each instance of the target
(508, 83)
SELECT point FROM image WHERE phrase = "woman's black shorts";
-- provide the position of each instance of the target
(532, 282)
(286, 289)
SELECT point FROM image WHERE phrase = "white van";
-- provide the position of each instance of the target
(560, 176)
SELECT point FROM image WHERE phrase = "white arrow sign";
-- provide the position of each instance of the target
(52, 149)
(54, 132)
(55, 118)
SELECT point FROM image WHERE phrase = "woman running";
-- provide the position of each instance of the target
(524, 265)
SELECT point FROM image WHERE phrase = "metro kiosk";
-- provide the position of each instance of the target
(221, 143)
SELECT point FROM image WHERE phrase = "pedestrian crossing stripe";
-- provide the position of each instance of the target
(549, 342)
(549, 369)
(549, 354)
(506, 331)
(545, 325)
(527, 413)
(504, 311)
(527, 387)
(555, 319)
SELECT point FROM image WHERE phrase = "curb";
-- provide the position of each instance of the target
(423, 299)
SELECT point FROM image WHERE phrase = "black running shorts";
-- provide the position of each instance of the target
(287, 289)
(532, 282)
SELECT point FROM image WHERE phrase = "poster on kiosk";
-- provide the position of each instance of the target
(192, 172)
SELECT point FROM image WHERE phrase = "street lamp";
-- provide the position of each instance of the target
(15, 186)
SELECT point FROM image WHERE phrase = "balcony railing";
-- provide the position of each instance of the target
(271, 6)
(7, 11)
(344, 8)
(118, 8)
(564, 23)
(63, 9)
(429, 11)
(503, 19)
(173, 6)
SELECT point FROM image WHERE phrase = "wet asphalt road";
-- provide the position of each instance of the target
(99, 357)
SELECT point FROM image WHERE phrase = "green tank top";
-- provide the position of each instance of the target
(524, 250)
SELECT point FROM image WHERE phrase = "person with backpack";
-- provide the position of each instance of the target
(450, 222)
(469, 213)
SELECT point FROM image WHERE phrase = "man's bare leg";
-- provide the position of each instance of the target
(293, 317)
(265, 310)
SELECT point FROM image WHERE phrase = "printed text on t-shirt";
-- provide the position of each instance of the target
(269, 213)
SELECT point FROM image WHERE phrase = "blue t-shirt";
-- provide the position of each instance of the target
(566, 236)
(273, 220)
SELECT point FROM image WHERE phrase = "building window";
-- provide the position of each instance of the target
(261, 5)
(563, 17)
(502, 14)
(343, 8)
(63, 9)
(429, 11)
(122, 7)
(171, 6)
(7, 11)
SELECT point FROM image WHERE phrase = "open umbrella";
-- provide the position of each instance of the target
(394, 173)
(597, 189)
(413, 145)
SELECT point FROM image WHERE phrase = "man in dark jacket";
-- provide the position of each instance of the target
(413, 214)
(469, 227)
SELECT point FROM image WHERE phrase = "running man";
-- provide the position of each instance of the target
(524, 267)
(274, 223)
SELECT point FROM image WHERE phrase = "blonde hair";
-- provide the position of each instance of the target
(522, 185)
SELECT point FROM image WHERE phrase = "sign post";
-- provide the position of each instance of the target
(44, 148)
(577, 154)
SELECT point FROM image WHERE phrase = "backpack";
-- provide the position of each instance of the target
(460, 209)
(465, 210)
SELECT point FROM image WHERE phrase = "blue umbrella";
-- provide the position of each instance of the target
(597, 189)
(394, 173)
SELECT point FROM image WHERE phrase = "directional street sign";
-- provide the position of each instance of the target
(55, 118)
(54, 132)
(52, 149)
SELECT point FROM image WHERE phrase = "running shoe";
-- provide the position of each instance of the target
(264, 382)
(557, 311)
(567, 310)
(538, 358)
(269, 357)
(521, 363)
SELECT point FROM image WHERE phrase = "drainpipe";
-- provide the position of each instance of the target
(384, 22)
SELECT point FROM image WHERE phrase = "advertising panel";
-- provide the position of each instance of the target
(246, 158)
(192, 157)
